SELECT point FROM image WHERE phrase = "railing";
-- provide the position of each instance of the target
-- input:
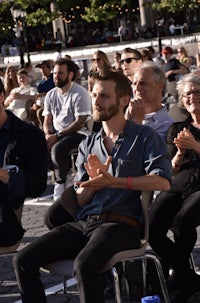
(88, 50)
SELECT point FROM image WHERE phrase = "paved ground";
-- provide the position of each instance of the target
(33, 223)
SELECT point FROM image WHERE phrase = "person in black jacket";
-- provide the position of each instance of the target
(23, 170)
(179, 208)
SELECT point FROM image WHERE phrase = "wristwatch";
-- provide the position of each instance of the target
(59, 135)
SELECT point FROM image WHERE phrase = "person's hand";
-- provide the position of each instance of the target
(51, 140)
(93, 165)
(103, 180)
(16, 96)
(136, 110)
(34, 106)
(4, 175)
(185, 140)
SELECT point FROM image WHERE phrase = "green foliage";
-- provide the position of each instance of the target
(38, 12)
(40, 16)
(100, 10)
(174, 6)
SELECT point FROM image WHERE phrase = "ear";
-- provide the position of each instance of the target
(124, 101)
(71, 75)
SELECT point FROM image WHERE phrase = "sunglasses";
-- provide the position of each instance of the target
(96, 59)
(128, 60)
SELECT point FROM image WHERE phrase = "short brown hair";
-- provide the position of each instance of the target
(122, 84)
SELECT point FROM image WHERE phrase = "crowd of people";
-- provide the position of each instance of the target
(136, 127)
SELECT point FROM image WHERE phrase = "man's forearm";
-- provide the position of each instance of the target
(74, 126)
(84, 196)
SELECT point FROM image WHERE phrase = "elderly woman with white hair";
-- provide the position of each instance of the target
(179, 209)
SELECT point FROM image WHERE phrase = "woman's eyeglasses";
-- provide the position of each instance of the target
(189, 94)
(96, 59)
(128, 60)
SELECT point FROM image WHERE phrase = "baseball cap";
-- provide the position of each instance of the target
(46, 62)
(167, 50)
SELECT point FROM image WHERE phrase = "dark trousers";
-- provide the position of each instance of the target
(56, 215)
(92, 243)
(60, 155)
(170, 211)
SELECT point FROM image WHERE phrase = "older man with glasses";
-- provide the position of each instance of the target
(131, 59)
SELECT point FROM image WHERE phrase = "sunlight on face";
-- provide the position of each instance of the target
(104, 101)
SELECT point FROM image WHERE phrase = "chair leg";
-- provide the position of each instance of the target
(192, 263)
(160, 276)
(65, 284)
(144, 275)
(117, 287)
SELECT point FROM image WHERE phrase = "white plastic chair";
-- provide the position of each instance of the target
(65, 267)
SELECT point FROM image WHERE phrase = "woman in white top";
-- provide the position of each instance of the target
(21, 98)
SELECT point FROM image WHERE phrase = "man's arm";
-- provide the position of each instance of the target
(52, 138)
(48, 125)
(105, 180)
(146, 182)
(74, 126)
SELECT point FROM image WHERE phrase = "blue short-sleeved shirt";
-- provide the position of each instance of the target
(138, 151)
(160, 121)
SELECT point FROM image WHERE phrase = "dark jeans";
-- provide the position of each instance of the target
(60, 155)
(92, 243)
(57, 215)
(170, 211)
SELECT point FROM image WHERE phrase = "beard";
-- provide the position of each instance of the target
(105, 116)
(61, 84)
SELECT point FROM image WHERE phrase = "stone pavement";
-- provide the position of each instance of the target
(33, 223)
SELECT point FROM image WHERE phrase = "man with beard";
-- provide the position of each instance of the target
(113, 167)
(67, 108)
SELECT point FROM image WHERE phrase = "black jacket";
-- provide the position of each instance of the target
(27, 149)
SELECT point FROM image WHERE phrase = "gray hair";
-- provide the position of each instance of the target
(158, 74)
(188, 78)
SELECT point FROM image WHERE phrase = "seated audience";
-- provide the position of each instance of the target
(179, 208)
(172, 69)
(131, 59)
(197, 56)
(117, 64)
(182, 56)
(10, 80)
(146, 54)
(108, 188)
(44, 86)
(23, 172)
(100, 64)
(21, 98)
(146, 107)
(67, 109)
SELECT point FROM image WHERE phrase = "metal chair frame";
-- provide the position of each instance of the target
(65, 267)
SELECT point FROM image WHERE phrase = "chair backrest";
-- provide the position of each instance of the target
(146, 198)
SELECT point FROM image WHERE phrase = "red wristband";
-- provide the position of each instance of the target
(129, 182)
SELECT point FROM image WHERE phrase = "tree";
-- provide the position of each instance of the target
(174, 6)
(104, 10)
